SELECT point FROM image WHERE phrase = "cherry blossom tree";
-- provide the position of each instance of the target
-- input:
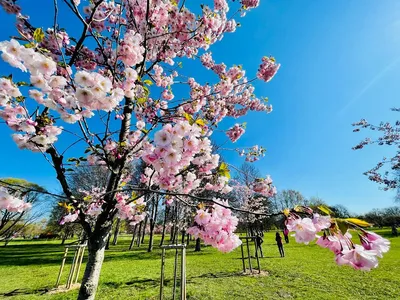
(386, 171)
(111, 95)
(113, 89)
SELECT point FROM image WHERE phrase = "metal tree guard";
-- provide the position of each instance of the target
(183, 270)
(75, 266)
(247, 239)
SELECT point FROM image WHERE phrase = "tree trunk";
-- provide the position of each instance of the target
(152, 225)
(198, 245)
(187, 240)
(144, 228)
(139, 234)
(133, 237)
(163, 228)
(183, 236)
(96, 246)
(116, 232)
(108, 242)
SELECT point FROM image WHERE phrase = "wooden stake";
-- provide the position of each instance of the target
(249, 257)
(183, 273)
(62, 267)
(80, 263)
(175, 271)
(162, 274)
(244, 265)
(258, 260)
(72, 270)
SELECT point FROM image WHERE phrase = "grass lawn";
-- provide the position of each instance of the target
(29, 268)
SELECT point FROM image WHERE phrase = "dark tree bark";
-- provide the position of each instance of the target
(116, 232)
(108, 242)
(183, 236)
(139, 234)
(164, 224)
(144, 229)
(153, 223)
(197, 248)
(133, 237)
(96, 247)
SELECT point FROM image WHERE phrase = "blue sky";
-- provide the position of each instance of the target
(340, 63)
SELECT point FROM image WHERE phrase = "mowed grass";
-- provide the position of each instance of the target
(29, 269)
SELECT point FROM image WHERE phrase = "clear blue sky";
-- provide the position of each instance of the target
(340, 63)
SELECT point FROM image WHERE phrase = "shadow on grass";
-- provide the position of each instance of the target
(40, 291)
(50, 253)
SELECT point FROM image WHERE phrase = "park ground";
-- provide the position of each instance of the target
(29, 269)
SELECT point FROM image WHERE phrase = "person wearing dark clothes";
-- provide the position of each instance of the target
(278, 240)
(259, 241)
(394, 230)
(286, 235)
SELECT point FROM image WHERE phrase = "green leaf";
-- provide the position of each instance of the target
(325, 209)
(38, 35)
(141, 101)
(189, 118)
(22, 83)
(29, 45)
(358, 222)
(200, 122)
(223, 170)
(20, 98)
(148, 82)
(343, 225)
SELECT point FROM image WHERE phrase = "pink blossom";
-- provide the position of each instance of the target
(373, 241)
(304, 229)
(250, 3)
(358, 258)
(71, 217)
(321, 222)
(216, 227)
(235, 132)
(331, 242)
(11, 203)
(267, 69)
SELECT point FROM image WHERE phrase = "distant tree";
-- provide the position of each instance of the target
(314, 201)
(340, 211)
(384, 217)
(13, 222)
(286, 199)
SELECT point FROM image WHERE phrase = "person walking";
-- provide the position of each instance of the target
(286, 235)
(259, 241)
(278, 240)
(394, 230)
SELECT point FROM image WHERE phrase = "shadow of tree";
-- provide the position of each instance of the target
(40, 291)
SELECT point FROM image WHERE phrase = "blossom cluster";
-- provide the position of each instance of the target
(91, 205)
(11, 203)
(234, 133)
(264, 187)
(215, 226)
(267, 69)
(180, 156)
(360, 257)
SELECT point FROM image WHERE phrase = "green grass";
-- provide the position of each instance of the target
(29, 269)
